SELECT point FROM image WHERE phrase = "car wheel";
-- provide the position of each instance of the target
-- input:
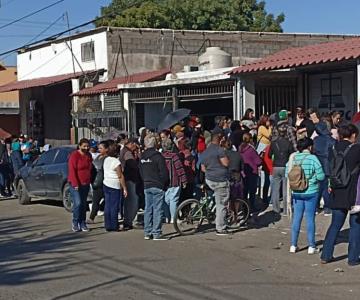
(66, 198)
(23, 194)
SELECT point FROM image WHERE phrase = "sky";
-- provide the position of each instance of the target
(16, 35)
(301, 16)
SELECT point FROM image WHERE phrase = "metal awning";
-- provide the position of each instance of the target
(44, 81)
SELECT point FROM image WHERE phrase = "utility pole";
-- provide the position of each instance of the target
(71, 49)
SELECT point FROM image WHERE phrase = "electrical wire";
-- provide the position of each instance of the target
(31, 14)
(56, 35)
(46, 29)
(193, 52)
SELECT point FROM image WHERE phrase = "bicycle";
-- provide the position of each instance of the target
(191, 213)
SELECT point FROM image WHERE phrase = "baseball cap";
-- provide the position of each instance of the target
(178, 128)
(283, 114)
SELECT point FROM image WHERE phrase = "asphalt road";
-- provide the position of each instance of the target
(40, 258)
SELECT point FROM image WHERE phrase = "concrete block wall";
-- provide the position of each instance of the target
(149, 49)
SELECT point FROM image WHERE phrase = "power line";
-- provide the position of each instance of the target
(52, 37)
(57, 35)
(31, 14)
(46, 29)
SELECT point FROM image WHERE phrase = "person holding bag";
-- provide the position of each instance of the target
(304, 172)
(97, 184)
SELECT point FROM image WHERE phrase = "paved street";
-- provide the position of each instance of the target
(40, 258)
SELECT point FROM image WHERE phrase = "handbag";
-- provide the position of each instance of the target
(99, 178)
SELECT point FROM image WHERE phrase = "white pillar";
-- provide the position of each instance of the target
(248, 95)
(127, 108)
(75, 88)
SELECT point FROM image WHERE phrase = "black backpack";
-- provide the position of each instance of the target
(339, 171)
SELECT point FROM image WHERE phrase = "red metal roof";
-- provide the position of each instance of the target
(4, 134)
(42, 81)
(303, 56)
(111, 85)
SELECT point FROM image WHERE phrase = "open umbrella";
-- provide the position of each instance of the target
(173, 118)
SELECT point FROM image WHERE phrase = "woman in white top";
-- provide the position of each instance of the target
(114, 188)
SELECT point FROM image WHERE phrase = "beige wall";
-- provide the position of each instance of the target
(10, 99)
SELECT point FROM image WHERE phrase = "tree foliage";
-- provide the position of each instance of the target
(245, 15)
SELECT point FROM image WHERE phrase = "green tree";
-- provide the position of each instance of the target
(246, 15)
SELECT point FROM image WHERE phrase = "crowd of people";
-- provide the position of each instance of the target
(287, 162)
(14, 153)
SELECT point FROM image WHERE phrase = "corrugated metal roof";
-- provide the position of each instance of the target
(111, 85)
(42, 81)
(303, 56)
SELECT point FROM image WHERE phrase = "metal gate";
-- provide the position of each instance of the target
(270, 99)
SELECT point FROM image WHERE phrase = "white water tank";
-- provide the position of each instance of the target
(214, 58)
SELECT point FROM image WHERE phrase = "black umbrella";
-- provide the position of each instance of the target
(173, 118)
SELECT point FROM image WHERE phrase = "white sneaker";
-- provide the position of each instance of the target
(293, 249)
(313, 250)
(100, 213)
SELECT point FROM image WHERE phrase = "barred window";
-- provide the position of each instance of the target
(88, 51)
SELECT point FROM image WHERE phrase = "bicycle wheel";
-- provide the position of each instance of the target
(238, 213)
(188, 217)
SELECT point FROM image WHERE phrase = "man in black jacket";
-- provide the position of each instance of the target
(280, 150)
(132, 178)
(155, 175)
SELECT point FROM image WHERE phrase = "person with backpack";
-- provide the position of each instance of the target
(323, 144)
(304, 172)
(344, 173)
(290, 131)
(97, 182)
(280, 150)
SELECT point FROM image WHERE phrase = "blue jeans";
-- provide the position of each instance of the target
(79, 198)
(172, 196)
(111, 211)
(337, 222)
(324, 191)
(153, 214)
(301, 204)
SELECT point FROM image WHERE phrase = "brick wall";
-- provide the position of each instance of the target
(149, 49)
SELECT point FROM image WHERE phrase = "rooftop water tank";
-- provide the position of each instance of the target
(214, 58)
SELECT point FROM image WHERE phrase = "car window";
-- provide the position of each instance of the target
(47, 158)
(62, 156)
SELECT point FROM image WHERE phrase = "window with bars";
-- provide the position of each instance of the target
(88, 51)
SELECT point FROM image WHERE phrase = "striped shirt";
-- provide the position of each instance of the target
(312, 169)
(176, 169)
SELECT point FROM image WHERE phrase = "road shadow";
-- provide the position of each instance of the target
(32, 253)
(264, 220)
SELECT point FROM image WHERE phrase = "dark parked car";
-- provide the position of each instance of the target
(46, 178)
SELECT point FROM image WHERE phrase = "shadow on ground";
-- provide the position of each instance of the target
(21, 244)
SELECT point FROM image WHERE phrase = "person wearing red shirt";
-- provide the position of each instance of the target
(79, 178)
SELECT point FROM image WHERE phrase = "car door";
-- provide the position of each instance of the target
(36, 181)
(56, 173)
